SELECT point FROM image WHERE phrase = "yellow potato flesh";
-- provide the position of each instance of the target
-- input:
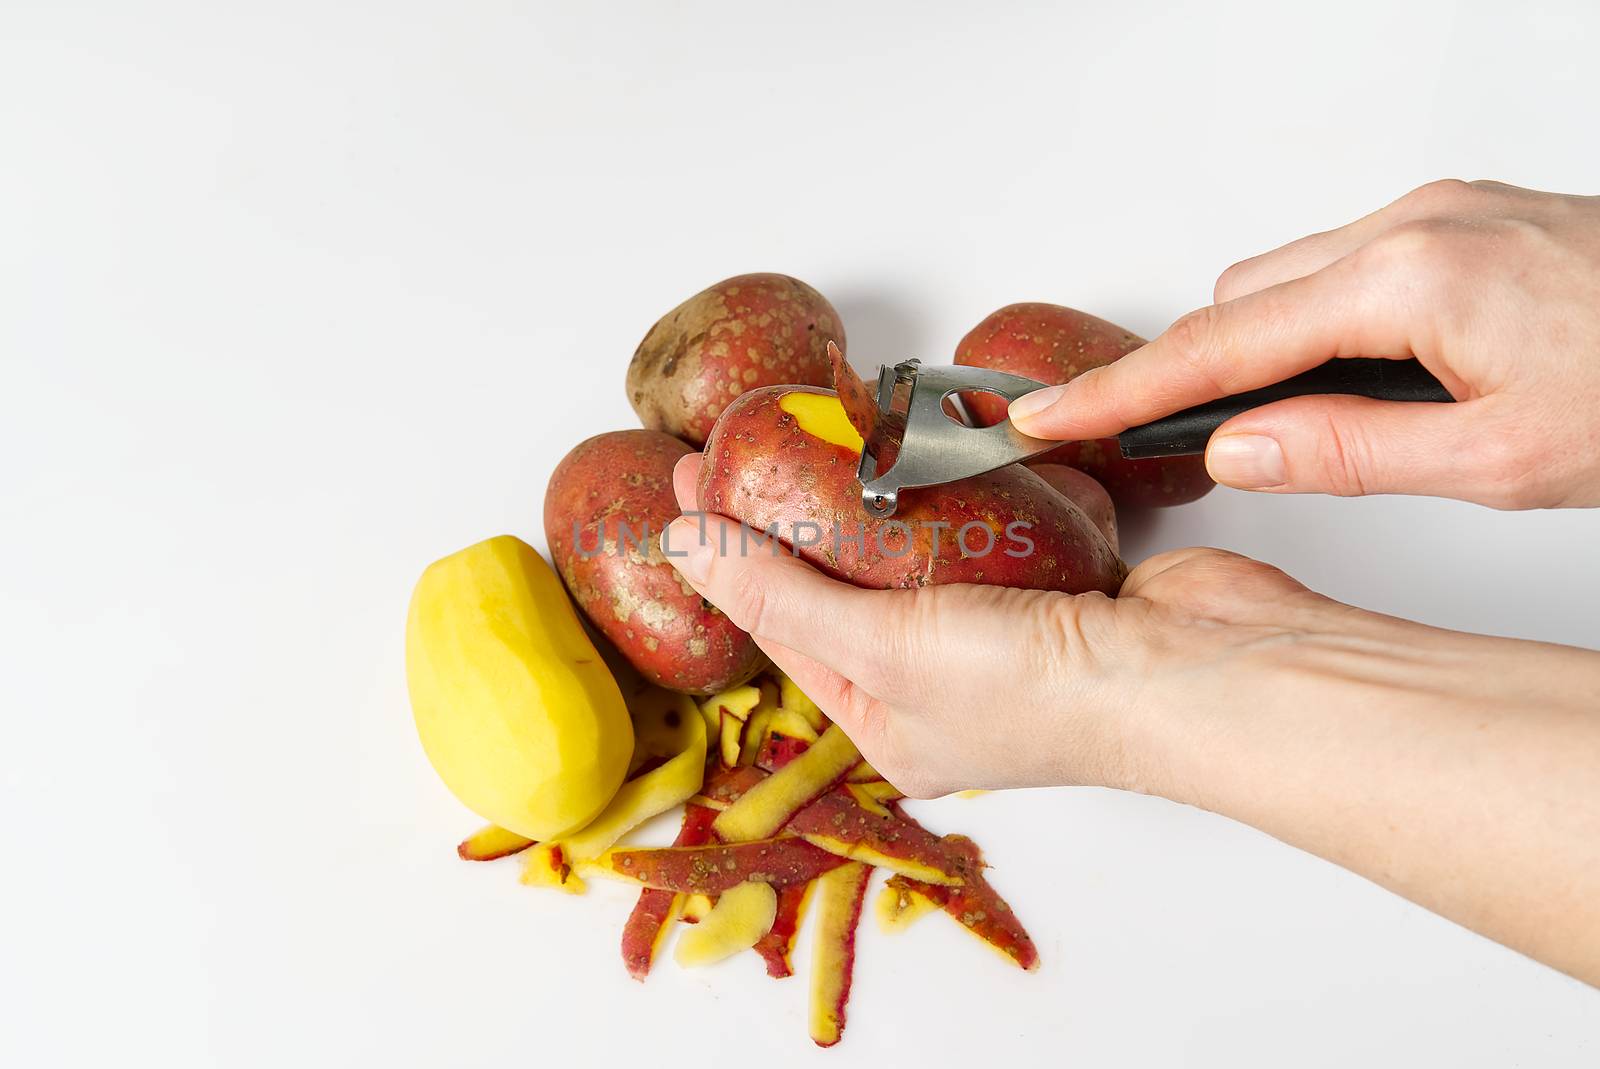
(516, 711)
(822, 416)
(791, 697)
(767, 806)
(897, 907)
(742, 915)
(838, 909)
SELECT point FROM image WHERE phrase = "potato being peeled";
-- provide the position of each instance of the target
(784, 458)
(1054, 345)
(740, 334)
(1083, 490)
(605, 508)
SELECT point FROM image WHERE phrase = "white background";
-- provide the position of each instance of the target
(295, 298)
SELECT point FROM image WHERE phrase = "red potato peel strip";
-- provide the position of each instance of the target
(768, 805)
(839, 897)
(711, 870)
(845, 823)
(491, 842)
(777, 945)
(839, 823)
(977, 907)
(656, 910)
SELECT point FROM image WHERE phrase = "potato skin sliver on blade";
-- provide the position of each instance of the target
(879, 431)
(712, 870)
(860, 406)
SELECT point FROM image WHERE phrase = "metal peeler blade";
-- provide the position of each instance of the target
(926, 447)
(920, 445)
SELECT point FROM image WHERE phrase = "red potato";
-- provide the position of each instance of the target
(1083, 490)
(1054, 345)
(743, 333)
(607, 503)
(784, 458)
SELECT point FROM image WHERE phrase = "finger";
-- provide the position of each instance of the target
(686, 481)
(1355, 445)
(1310, 254)
(1150, 569)
(1217, 584)
(845, 703)
(1297, 259)
(1259, 339)
(774, 595)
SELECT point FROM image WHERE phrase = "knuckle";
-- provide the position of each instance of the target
(1344, 462)
(1441, 195)
(1417, 242)
(1514, 236)
(1513, 478)
(1193, 341)
(1232, 282)
(749, 597)
(919, 648)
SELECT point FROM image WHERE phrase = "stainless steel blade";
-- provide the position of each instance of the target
(934, 448)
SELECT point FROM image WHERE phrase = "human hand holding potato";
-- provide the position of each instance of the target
(1456, 770)
(1495, 289)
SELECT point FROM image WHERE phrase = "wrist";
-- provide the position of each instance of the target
(1225, 707)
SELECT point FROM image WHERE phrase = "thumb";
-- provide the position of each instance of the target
(768, 591)
(1355, 445)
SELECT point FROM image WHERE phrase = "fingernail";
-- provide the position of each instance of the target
(685, 550)
(1031, 404)
(1246, 461)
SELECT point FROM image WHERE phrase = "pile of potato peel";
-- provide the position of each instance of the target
(569, 701)
(823, 821)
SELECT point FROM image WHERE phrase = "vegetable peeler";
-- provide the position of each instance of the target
(913, 436)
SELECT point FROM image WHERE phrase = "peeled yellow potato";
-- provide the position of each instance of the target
(517, 712)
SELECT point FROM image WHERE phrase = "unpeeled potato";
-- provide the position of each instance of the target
(740, 334)
(1053, 345)
(605, 508)
(1083, 490)
(785, 458)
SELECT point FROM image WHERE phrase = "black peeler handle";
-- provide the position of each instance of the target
(1187, 432)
